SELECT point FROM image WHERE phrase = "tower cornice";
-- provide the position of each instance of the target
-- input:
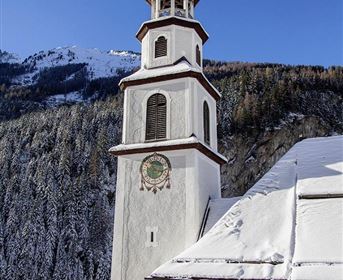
(161, 22)
(171, 145)
(172, 76)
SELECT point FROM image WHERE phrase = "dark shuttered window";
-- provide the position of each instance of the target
(156, 120)
(161, 47)
(198, 55)
(207, 137)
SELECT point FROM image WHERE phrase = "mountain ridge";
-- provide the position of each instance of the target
(100, 64)
(7, 57)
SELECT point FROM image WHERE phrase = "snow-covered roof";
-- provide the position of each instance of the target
(288, 226)
(190, 142)
(181, 67)
(216, 209)
(143, 73)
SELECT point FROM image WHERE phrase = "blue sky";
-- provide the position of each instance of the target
(283, 31)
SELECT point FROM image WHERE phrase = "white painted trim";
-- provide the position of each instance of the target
(188, 107)
(192, 9)
(126, 117)
(191, 183)
(185, 6)
(158, 4)
(194, 43)
(119, 228)
(191, 110)
(173, 54)
(172, 10)
(144, 110)
(153, 8)
(196, 128)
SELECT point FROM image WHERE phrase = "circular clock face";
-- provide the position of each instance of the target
(155, 169)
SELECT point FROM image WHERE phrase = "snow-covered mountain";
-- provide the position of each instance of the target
(6, 57)
(99, 64)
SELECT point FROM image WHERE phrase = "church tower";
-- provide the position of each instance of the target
(168, 164)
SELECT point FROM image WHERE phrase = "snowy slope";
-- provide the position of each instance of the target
(6, 57)
(275, 231)
(99, 63)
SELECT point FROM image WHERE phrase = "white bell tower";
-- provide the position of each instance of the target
(168, 164)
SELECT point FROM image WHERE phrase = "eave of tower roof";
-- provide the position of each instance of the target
(181, 70)
(169, 145)
(165, 21)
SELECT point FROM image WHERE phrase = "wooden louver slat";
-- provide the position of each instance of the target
(161, 47)
(156, 122)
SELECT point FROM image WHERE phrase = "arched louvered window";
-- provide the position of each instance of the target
(206, 119)
(161, 48)
(156, 117)
(198, 55)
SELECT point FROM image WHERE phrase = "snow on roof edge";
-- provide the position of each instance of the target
(190, 140)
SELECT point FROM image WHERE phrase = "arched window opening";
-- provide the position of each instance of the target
(156, 118)
(165, 4)
(180, 9)
(198, 55)
(207, 137)
(161, 48)
(179, 4)
(190, 9)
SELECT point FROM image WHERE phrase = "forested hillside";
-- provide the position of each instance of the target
(57, 188)
(57, 192)
(266, 109)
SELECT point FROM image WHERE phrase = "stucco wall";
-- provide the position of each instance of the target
(174, 214)
(177, 110)
(200, 96)
(137, 211)
(185, 110)
(181, 42)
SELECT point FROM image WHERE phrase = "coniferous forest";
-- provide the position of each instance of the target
(57, 187)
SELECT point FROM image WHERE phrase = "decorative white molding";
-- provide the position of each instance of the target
(126, 118)
(164, 60)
